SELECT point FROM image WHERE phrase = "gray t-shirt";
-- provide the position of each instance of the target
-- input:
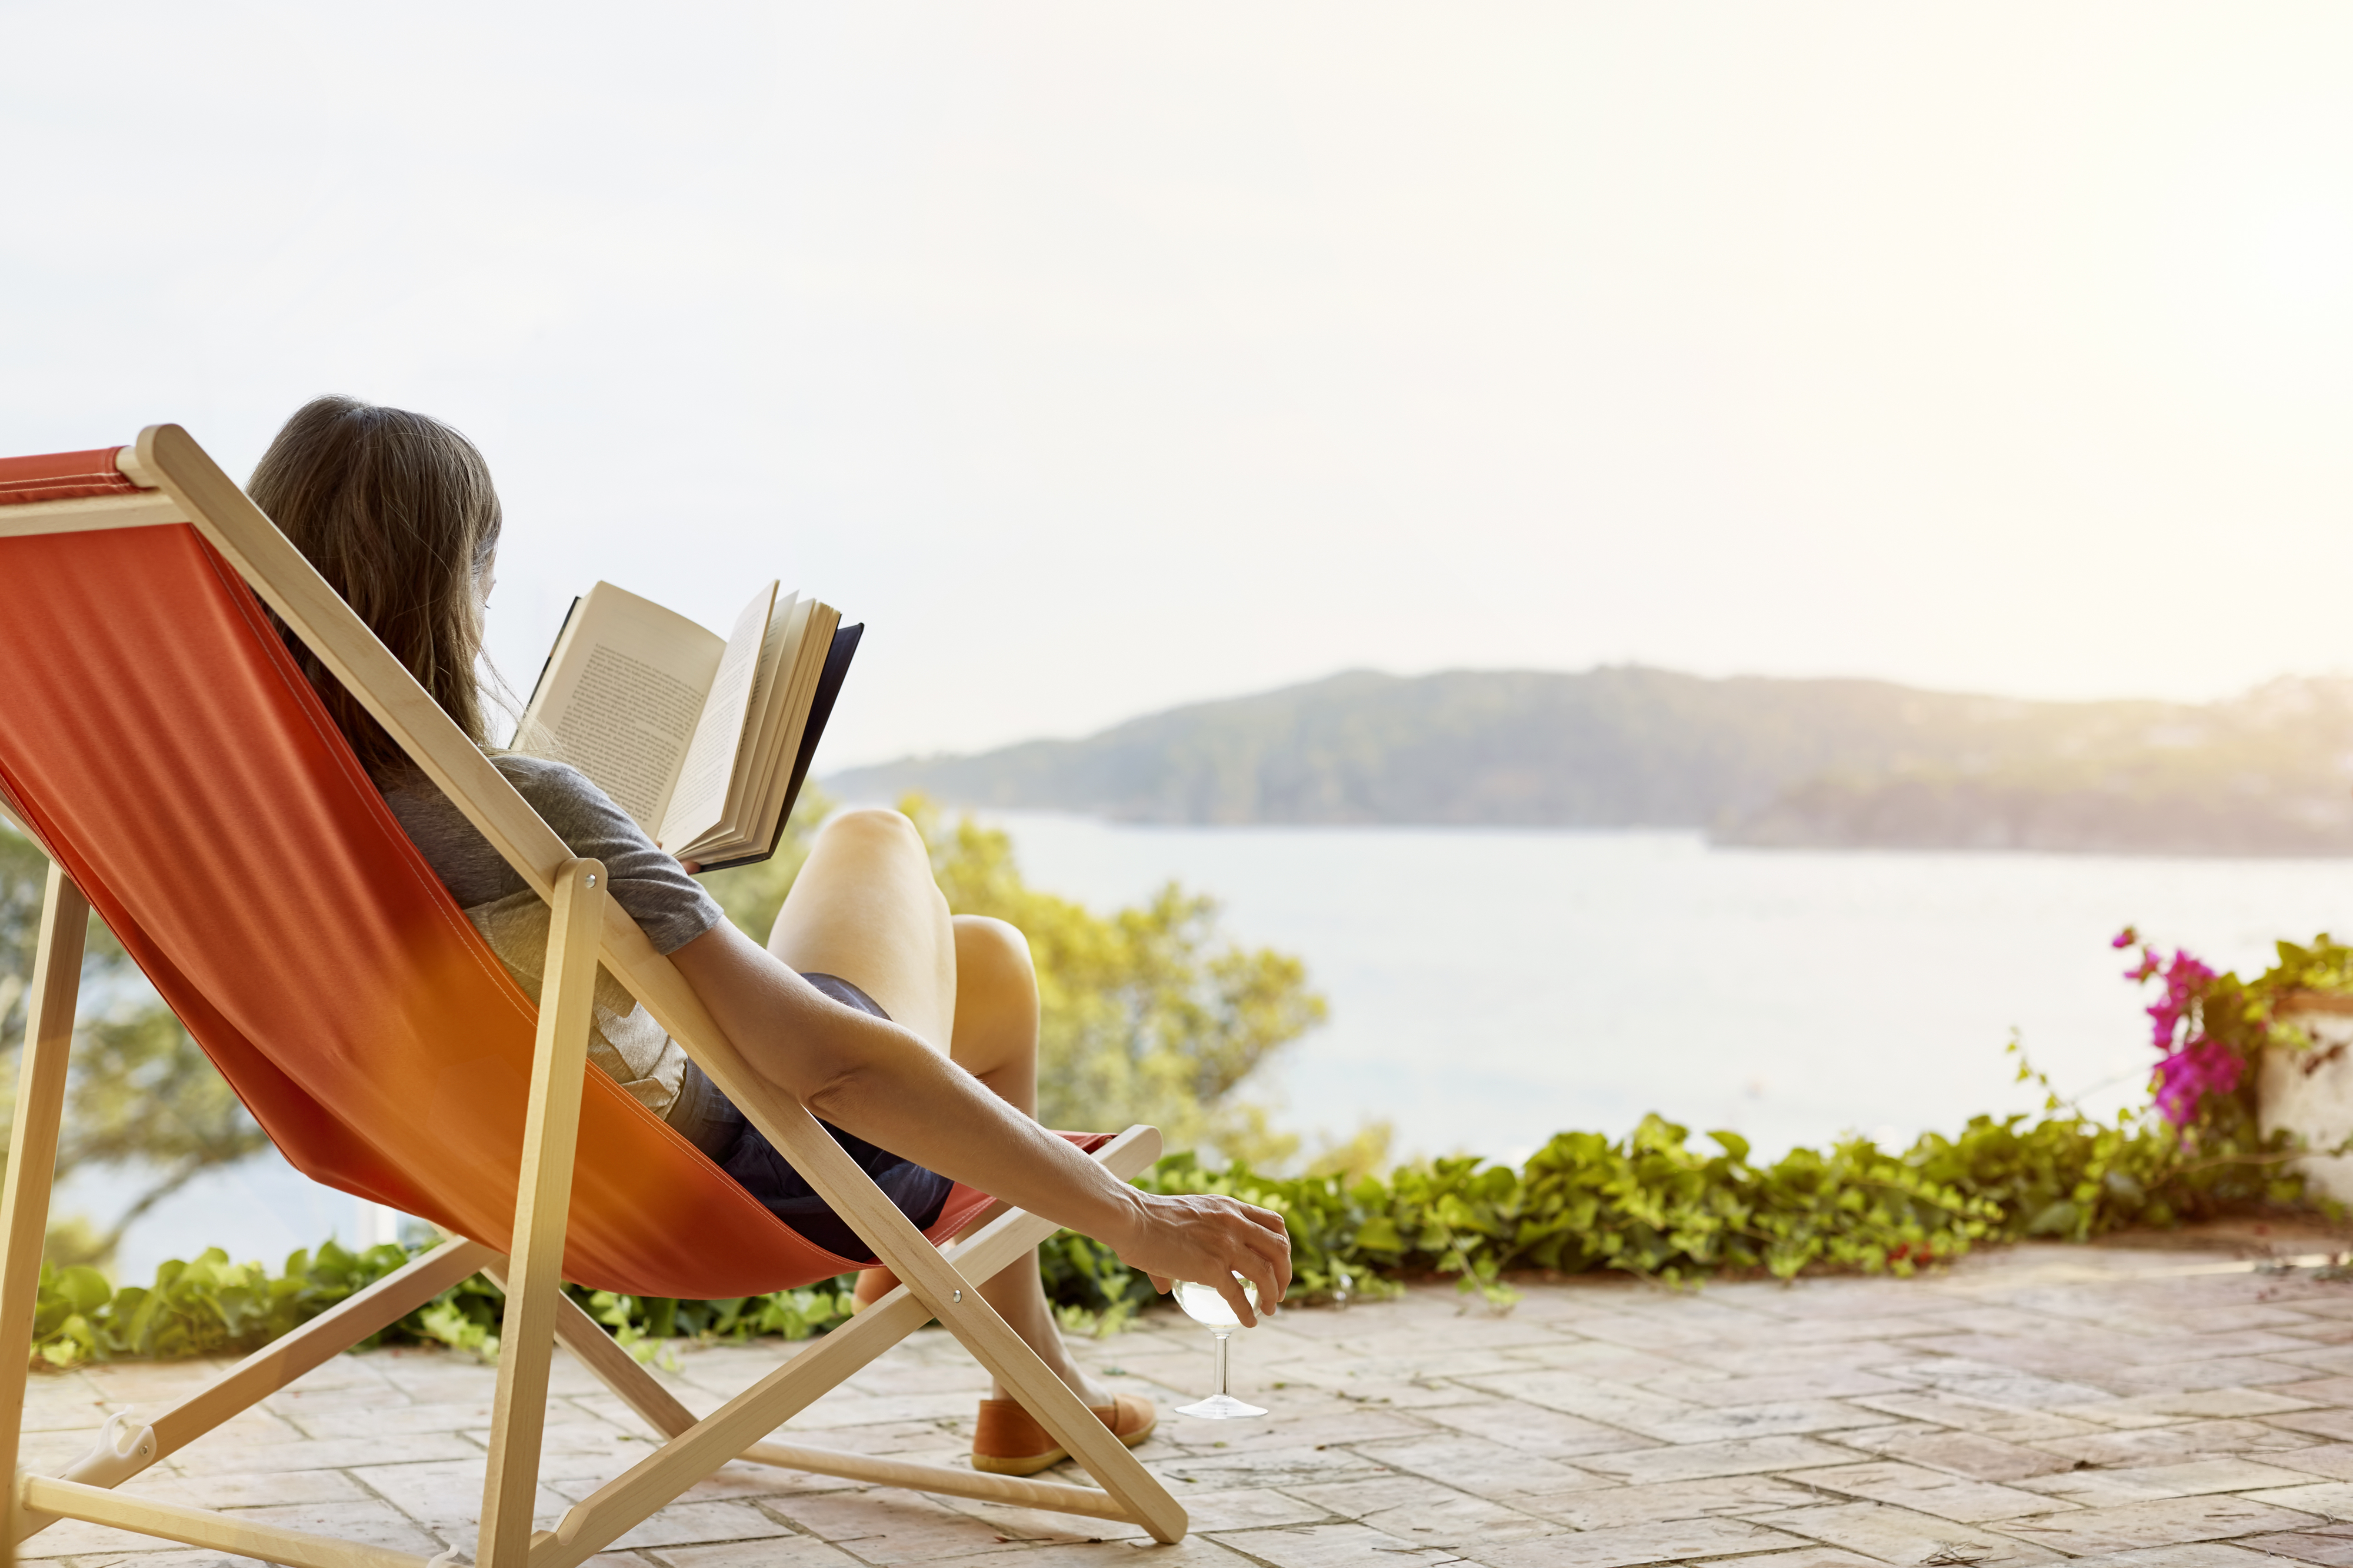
(667, 904)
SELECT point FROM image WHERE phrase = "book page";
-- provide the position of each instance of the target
(621, 697)
(769, 743)
(809, 672)
(770, 695)
(698, 802)
(813, 636)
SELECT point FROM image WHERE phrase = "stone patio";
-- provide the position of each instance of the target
(2140, 1404)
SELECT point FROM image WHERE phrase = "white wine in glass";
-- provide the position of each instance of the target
(1206, 1307)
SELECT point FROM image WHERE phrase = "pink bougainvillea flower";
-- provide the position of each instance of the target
(2198, 1069)
(2194, 1065)
(2185, 979)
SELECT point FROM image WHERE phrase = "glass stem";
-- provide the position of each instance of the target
(1220, 1335)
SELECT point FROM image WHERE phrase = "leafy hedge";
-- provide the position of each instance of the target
(1650, 1204)
(212, 1307)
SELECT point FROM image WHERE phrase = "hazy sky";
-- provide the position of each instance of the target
(1103, 357)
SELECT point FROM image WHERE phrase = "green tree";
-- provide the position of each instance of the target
(141, 1094)
(1149, 1014)
(24, 871)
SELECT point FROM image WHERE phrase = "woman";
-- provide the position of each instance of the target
(911, 1034)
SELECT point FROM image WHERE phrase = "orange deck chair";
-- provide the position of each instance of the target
(160, 745)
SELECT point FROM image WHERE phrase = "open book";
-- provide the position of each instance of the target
(703, 740)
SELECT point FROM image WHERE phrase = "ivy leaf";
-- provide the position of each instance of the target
(2055, 1219)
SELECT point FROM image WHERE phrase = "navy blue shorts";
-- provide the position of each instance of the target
(709, 1122)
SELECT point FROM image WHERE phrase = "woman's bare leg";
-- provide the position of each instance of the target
(995, 1040)
(865, 907)
(996, 1036)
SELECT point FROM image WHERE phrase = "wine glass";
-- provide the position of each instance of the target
(1206, 1307)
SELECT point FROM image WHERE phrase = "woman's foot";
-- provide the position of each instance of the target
(1008, 1441)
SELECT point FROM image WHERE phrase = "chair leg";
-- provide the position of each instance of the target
(735, 1430)
(544, 1202)
(1010, 1359)
(32, 1161)
(320, 1341)
(1003, 1229)
(272, 1367)
(615, 1368)
(1130, 1153)
(966, 1313)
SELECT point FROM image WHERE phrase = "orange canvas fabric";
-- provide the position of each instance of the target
(62, 475)
(159, 739)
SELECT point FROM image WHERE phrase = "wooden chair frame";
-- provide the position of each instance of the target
(180, 484)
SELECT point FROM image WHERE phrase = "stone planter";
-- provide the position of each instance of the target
(2311, 1092)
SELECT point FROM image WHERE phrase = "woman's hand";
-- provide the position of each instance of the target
(1209, 1239)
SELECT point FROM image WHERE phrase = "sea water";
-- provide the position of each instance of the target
(1488, 988)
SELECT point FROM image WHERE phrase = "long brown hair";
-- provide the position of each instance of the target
(398, 512)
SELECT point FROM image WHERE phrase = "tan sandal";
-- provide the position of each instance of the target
(1008, 1441)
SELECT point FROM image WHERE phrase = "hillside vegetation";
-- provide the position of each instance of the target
(1840, 764)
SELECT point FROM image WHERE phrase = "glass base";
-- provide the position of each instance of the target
(1219, 1407)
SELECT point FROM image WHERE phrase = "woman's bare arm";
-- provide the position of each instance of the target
(883, 1083)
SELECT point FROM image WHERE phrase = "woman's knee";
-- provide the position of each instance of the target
(873, 828)
(993, 960)
(996, 1036)
(872, 841)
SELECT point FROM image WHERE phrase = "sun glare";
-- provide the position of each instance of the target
(2266, 244)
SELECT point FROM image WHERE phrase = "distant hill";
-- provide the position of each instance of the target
(1846, 763)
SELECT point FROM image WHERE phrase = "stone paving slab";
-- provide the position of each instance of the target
(2142, 1405)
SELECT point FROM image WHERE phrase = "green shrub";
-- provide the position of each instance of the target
(214, 1307)
(1650, 1204)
